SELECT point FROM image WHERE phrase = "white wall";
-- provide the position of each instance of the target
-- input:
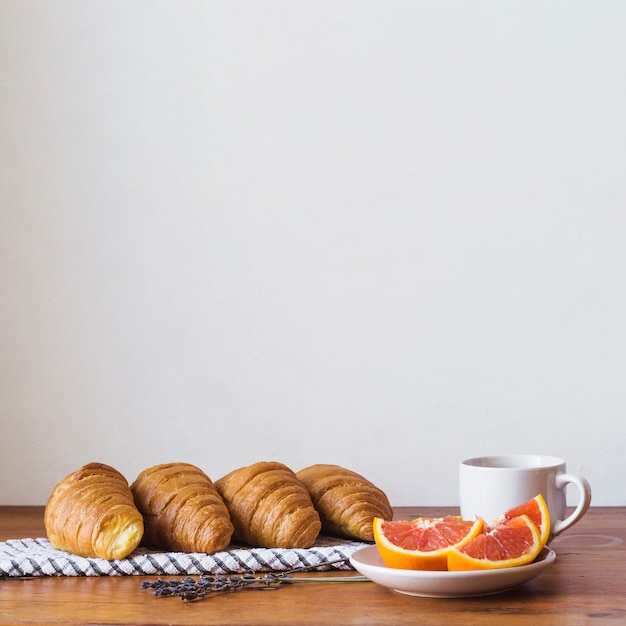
(384, 234)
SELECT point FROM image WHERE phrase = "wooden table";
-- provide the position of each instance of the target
(585, 585)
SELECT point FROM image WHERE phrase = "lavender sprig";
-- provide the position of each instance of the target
(191, 589)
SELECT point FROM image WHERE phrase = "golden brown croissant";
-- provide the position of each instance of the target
(269, 506)
(182, 509)
(92, 514)
(346, 501)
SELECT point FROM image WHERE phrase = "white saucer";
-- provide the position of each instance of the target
(367, 561)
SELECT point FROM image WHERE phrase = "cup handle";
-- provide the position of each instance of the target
(584, 500)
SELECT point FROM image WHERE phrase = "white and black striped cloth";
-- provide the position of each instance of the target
(36, 557)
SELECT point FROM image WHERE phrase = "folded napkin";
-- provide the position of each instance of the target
(36, 557)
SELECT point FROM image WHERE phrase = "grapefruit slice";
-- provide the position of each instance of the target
(509, 543)
(424, 543)
(537, 510)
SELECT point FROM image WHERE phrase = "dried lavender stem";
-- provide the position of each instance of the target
(190, 589)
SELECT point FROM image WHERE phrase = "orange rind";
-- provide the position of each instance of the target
(510, 543)
(423, 543)
(537, 510)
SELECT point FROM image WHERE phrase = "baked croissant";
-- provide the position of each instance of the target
(92, 514)
(182, 510)
(269, 506)
(346, 501)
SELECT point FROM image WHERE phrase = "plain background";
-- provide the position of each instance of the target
(384, 234)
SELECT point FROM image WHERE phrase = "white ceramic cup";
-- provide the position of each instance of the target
(490, 485)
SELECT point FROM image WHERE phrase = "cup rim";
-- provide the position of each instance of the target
(513, 462)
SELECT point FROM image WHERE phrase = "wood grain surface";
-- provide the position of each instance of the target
(585, 585)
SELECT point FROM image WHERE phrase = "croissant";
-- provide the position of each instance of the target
(269, 506)
(92, 514)
(182, 510)
(346, 501)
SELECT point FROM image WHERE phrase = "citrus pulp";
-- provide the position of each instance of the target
(537, 510)
(424, 543)
(509, 543)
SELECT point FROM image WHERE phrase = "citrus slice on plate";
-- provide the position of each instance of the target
(509, 543)
(537, 510)
(423, 543)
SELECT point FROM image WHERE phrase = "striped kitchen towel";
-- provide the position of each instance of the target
(36, 557)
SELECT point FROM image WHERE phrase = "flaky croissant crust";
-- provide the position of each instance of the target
(346, 501)
(269, 506)
(91, 513)
(182, 509)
